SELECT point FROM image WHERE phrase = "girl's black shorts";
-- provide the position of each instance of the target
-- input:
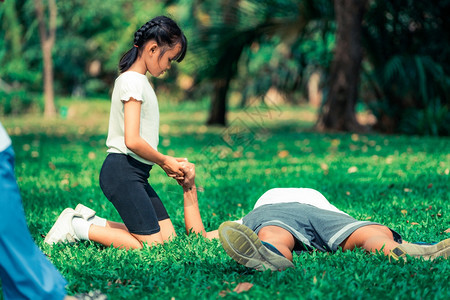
(124, 181)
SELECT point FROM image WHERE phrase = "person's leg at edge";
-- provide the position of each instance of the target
(278, 237)
(371, 238)
(24, 270)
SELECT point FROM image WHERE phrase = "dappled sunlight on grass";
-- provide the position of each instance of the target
(399, 181)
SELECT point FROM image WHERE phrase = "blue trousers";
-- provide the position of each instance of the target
(25, 272)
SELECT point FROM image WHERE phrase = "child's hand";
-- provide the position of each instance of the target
(172, 167)
(189, 175)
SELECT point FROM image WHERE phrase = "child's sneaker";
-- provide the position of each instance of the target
(427, 252)
(62, 230)
(85, 211)
(244, 246)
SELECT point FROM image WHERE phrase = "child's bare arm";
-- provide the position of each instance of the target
(192, 218)
(134, 141)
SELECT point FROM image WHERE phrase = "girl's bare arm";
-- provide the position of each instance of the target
(134, 141)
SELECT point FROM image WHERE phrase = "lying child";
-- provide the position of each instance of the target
(301, 219)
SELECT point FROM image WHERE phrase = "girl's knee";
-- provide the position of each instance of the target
(150, 240)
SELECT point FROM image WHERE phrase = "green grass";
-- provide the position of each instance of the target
(399, 181)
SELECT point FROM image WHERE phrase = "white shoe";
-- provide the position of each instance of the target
(62, 230)
(85, 211)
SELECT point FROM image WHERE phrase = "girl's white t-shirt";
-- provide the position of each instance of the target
(5, 141)
(134, 85)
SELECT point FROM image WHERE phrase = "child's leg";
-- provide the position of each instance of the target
(280, 238)
(371, 238)
(117, 234)
(167, 230)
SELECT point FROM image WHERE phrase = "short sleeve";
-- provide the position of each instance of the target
(130, 87)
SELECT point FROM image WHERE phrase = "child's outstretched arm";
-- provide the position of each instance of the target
(192, 218)
(134, 141)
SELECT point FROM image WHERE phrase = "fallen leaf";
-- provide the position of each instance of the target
(447, 231)
(325, 168)
(347, 193)
(51, 166)
(224, 293)
(404, 211)
(414, 223)
(430, 185)
(237, 154)
(352, 170)
(243, 287)
(428, 208)
(283, 154)
(407, 190)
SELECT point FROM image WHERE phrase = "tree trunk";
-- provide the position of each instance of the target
(338, 112)
(218, 112)
(47, 40)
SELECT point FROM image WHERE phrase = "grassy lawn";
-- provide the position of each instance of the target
(399, 181)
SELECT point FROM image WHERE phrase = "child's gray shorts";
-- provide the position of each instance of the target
(312, 227)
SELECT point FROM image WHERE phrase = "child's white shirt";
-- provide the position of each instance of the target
(299, 195)
(134, 85)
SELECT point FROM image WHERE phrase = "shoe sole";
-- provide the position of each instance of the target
(441, 249)
(244, 246)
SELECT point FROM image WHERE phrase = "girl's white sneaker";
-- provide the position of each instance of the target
(85, 211)
(62, 230)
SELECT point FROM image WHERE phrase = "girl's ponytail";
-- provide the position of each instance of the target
(164, 31)
(128, 59)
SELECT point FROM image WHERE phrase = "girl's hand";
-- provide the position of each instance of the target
(181, 159)
(189, 175)
(172, 167)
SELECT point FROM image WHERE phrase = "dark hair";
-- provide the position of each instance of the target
(164, 31)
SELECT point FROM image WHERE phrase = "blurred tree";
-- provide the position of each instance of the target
(338, 111)
(221, 79)
(254, 22)
(47, 38)
(16, 56)
(407, 74)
